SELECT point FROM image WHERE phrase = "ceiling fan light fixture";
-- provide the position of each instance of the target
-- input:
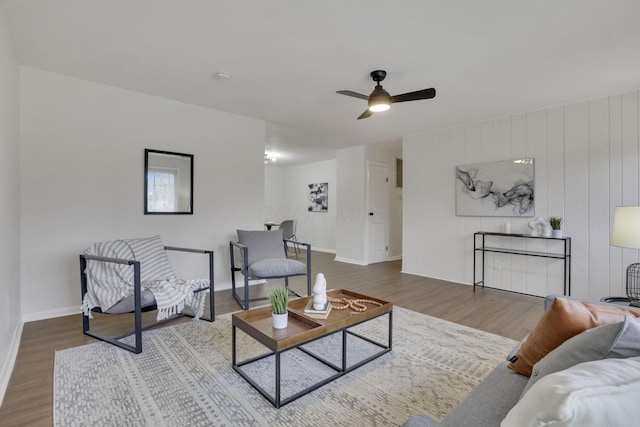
(270, 158)
(379, 107)
(379, 100)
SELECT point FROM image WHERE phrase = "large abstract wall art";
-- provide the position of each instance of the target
(319, 197)
(504, 188)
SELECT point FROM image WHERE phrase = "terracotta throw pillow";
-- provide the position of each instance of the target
(563, 319)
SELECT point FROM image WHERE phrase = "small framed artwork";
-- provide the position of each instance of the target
(319, 197)
(503, 188)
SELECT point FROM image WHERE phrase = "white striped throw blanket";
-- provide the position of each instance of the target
(108, 283)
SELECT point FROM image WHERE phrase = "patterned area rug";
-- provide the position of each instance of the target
(184, 377)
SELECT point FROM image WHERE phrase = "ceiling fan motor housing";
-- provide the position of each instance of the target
(379, 100)
(378, 75)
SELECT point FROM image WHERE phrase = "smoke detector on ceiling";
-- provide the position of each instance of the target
(223, 75)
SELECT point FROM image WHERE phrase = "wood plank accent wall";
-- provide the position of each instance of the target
(586, 163)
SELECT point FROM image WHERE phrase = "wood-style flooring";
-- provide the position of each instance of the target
(29, 397)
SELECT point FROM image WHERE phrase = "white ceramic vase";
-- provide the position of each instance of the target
(280, 320)
(557, 234)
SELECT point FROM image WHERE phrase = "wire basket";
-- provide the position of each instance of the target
(633, 284)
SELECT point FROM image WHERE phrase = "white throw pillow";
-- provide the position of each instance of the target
(598, 393)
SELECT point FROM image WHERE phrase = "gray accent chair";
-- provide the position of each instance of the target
(262, 255)
(142, 300)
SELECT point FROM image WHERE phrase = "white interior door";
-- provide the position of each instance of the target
(377, 201)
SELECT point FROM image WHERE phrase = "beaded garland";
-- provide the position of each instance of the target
(355, 304)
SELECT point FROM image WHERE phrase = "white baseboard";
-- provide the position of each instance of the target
(50, 314)
(436, 278)
(7, 368)
(350, 261)
(360, 262)
(328, 251)
(225, 286)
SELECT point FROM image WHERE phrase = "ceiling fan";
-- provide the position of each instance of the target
(380, 100)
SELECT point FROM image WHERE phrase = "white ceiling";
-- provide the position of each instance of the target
(288, 58)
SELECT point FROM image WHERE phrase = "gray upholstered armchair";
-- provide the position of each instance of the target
(263, 255)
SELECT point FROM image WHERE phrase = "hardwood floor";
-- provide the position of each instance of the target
(29, 397)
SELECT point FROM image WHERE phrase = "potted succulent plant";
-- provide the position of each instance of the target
(556, 223)
(279, 299)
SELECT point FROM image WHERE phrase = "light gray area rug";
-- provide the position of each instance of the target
(184, 377)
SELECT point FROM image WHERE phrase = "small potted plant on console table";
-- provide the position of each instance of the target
(556, 223)
(279, 299)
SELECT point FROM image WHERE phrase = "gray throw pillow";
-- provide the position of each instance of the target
(614, 340)
(262, 244)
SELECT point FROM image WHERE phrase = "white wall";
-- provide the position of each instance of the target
(586, 163)
(276, 208)
(287, 197)
(10, 323)
(351, 227)
(350, 221)
(82, 156)
(395, 217)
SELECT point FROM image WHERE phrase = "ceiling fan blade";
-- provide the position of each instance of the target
(354, 94)
(414, 96)
(367, 113)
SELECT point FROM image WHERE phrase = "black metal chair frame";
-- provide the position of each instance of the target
(244, 302)
(137, 291)
(291, 238)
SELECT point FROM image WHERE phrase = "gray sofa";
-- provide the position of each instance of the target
(490, 402)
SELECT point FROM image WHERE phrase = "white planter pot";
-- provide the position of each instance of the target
(279, 320)
(557, 234)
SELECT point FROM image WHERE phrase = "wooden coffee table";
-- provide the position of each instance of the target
(302, 330)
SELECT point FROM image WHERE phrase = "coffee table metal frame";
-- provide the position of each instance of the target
(304, 330)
